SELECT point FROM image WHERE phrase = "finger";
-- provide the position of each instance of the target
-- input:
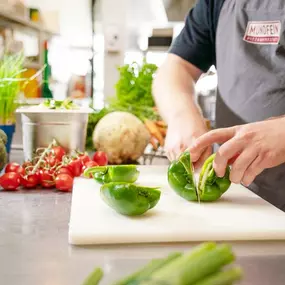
(252, 171)
(206, 140)
(241, 164)
(199, 163)
(233, 159)
(227, 151)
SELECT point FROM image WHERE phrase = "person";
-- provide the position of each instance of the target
(245, 40)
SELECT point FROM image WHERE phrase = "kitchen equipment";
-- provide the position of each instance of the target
(40, 126)
(238, 215)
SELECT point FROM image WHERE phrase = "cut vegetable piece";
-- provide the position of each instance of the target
(129, 199)
(181, 177)
(117, 173)
(210, 186)
(94, 277)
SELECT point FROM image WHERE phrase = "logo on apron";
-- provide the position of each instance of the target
(263, 32)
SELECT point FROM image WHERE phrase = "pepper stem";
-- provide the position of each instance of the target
(95, 169)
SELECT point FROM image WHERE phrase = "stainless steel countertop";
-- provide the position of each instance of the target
(34, 248)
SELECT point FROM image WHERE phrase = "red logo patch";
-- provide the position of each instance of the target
(263, 33)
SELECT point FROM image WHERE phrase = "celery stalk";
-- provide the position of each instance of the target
(148, 269)
(94, 277)
(194, 266)
(227, 277)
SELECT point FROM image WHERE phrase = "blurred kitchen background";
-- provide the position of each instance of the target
(78, 46)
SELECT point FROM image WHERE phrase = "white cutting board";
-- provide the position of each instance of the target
(238, 215)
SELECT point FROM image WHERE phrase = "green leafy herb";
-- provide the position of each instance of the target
(11, 80)
(135, 84)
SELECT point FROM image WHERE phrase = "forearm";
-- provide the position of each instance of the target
(174, 89)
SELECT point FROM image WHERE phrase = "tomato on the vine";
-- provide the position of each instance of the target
(64, 170)
(27, 164)
(75, 166)
(64, 182)
(58, 152)
(46, 178)
(101, 158)
(22, 171)
(10, 181)
(30, 180)
(12, 167)
(84, 158)
(52, 160)
(88, 165)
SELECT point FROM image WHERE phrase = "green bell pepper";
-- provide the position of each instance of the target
(129, 199)
(181, 177)
(210, 186)
(113, 173)
(182, 180)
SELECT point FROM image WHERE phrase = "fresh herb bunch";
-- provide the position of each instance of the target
(11, 82)
(133, 95)
(135, 84)
(11, 67)
(142, 112)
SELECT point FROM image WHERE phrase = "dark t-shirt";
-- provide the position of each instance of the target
(196, 42)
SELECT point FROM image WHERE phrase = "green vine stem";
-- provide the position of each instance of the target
(41, 159)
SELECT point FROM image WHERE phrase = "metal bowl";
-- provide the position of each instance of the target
(40, 126)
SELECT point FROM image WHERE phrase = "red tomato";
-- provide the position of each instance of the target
(88, 165)
(21, 170)
(64, 182)
(64, 170)
(58, 152)
(47, 179)
(84, 158)
(10, 181)
(27, 164)
(12, 167)
(30, 181)
(75, 166)
(101, 158)
(52, 160)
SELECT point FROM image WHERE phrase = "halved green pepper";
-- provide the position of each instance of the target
(129, 199)
(113, 173)
(181, 177)
(182, 181)
(210, 186)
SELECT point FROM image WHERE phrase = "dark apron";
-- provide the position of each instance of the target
(250, 46)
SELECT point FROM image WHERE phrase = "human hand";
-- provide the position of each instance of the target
(250, 148)
(181, 133)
